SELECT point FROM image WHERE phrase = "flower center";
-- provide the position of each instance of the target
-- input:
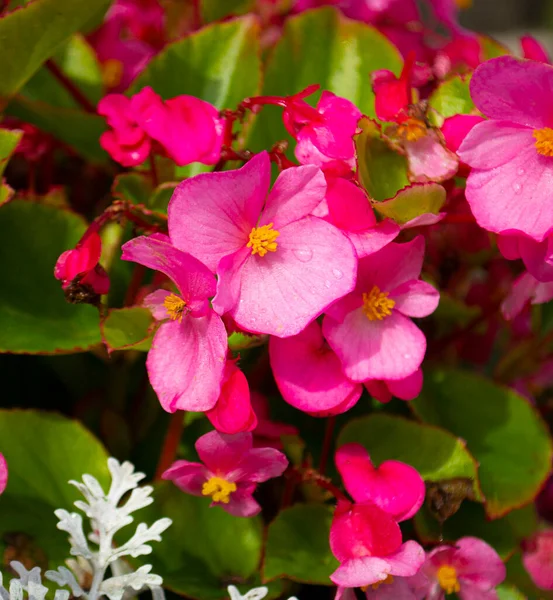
(112, 72)
(412, 129)
(447, 578)
(219, 489)
(544, 141)
(175, 306)
(377, 305)
(262, 239)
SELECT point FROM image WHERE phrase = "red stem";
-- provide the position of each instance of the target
(327, 443)
(170, 443)
(75, 92)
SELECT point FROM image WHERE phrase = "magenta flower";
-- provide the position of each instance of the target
(537, 256)
(187, 358)
(309, 374)
(231, 471)
(81, 265)
(526, 289)
(367, 541)
(533, 50)
(278, 267)
(471, 569)
(233, 412)
(511, 154)
(538, 559)
(369, 329)
(395, 487)
(407, 388)
(3, 473)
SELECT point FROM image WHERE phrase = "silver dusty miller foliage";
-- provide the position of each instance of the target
(96, 551)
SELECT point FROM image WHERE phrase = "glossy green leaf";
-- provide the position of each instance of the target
(76, 128)
(34, 316)
(412, 202)
(8, 143)
(205, 548)
(434, 452)
(452, 97)
(502, 430)
(219, 63)
(297, 545)
(382, 171)
(321, 46)
(504, 534)
(33, 33)
(506, 591)
(242, 341)
(126, 328)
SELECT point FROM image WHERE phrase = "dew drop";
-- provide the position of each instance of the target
(337, 273)
(303, 254)
(517, 187)
(521, 171)
(328, 283)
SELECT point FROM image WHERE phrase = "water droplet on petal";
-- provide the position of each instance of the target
(521, 171)
(328, 283)
(517, 187)
(303, 254)
(337, 273)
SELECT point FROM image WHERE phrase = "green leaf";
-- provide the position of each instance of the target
(128, 328)
(435, 453)
(452, 97)
(297, 545)
(382, 171)
(74, 127)
(44, 451)
(8, 143)
(502, 430)
(33, 33)
(213, 10)
(243, 341)
(34, 316)
(133, 187)
(205, 549)
(159, 200)
(413, 201)
(504, 534)
(506, 591)
(219, 64)
(491, 48)
(321, 46)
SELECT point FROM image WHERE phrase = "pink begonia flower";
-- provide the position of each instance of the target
(81, 265)
(369, 329)
(537, 558)
(348, 207)
(456, 128)
(399, 588)
(429, 159)
(326, 133)
(230, 472)
(461, 53)
(471, 569)
(187, 128)
(278, 267)
(268, 433)
(526, 289)
(367, 541)
(392, 95)
(3, 473)
(187, 359)
(233, 412)
(395, 487)
(309, 374)
(533, 50)
(537, 256)
(407, 388)
(511, 154)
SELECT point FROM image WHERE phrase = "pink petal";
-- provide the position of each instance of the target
(283, 291)
(259, 464)
(374, 239)
(473, 592)
(389, 349)
(155, 302)
(222, 453)
(533, 50)
(188, 476)
(296, 193)
(523, 289)
(514, 90)
(211, 215)
(430, 160)
(241, 503)
(192, 278)
(308, 373)
(378, 390)
(415, 298)
(407, 388)
(398, 589)
(537, 559)
(3, 473)
(537, 257)
(359, 572)
(395, 487)
(478, 563)
(233, 412)
(229, 281)
(455, 129)
(407, 560)
(349, 207)
(508, 245)
(185, 364)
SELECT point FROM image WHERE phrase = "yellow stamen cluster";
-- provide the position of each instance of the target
(219, 489)
(544, 141)
(262, 239)
(377, 305)
(412, 130)
(112, 72)
(175, 306)
(447, 578)
(387, 581)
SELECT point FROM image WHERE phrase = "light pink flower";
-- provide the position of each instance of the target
(511, 154)
(368, 543)
(81, 265)
(526, 289)
(395, 487)
(230, 472)
(369, 329)
(3, 473)
(471, 568)
(278, 267)
(233, 412)
(187, 358)
(538, 559)
(309, 374)
(537, 256)
(407, 388)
